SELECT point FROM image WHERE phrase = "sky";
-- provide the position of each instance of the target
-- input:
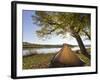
(29, 32)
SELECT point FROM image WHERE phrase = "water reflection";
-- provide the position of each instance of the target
(43, 50)
(40, 51)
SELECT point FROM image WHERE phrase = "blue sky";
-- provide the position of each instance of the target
(29, 32)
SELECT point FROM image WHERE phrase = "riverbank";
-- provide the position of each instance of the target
(37, 61)
(43, 60)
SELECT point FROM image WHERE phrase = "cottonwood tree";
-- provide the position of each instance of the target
(61, 23)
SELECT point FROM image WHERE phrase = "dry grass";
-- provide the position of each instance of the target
(43, 61)
(37, 61)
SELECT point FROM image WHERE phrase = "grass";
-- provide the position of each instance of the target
(37, 61)
(84, 59)
(43, 60)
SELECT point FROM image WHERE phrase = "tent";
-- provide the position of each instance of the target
(66, 58)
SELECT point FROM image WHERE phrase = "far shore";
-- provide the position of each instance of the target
(31, 45)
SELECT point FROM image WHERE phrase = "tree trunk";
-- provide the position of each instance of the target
(81, 45)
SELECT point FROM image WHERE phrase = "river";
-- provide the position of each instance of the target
(43, 50)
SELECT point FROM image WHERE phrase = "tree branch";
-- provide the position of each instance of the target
(78, 30)
(49, 32)
(87, 34)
